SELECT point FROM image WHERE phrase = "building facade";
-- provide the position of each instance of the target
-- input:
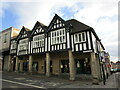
(63, 47)
(5, 37)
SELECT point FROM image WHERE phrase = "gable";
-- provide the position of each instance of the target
(56, 23)
(38, 28)
(22, 34)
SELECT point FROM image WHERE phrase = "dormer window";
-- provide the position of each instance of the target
(58, 36)
(80, 37)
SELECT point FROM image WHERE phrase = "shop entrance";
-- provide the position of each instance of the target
(35, 66)
(14, 64)
(25, 66)
(83, 66)
(64, 66)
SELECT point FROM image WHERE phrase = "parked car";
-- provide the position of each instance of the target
(114, 70)
(118, 70)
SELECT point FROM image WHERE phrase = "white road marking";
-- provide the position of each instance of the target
(23, 84)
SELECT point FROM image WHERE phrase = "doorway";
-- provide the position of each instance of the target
(14, 64)
(83, 66)
(64, 66)
(25, 66)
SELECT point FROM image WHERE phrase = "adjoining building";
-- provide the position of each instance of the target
(64, 47)
(5, 37)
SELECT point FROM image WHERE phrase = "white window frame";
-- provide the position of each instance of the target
(24, 44)
(55, 36)
(76, 40)
(39, 39)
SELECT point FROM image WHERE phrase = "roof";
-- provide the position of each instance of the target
(28, 31)
(77, 26)
(53, 20)
(37, 24)
(42, 25)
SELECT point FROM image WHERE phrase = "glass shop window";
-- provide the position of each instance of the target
(64, 66)
(83, 66)
(35, 66)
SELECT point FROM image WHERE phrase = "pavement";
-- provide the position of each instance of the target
(24, 80)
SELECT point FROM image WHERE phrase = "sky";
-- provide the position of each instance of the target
(102, 15)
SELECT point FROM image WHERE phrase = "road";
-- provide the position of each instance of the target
(20, 80)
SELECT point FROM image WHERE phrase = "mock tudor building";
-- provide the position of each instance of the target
(63, 47)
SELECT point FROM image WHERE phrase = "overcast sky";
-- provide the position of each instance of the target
(102, 15)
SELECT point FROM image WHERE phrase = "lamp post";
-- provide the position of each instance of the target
(103, 72)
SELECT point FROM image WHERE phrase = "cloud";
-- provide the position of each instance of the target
(101, 15)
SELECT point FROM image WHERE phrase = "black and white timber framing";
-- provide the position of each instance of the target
(59, 35)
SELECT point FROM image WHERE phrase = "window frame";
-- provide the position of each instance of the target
(58, 36)
(39, 41)
(23, 44)
(5, 37)
(77, 37)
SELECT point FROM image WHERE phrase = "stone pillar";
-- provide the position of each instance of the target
(21, 66)
(30, 63)
(47, 64)
(9, 63)
(17, 63)
(94, 68)
(98, 67)
(72, 65)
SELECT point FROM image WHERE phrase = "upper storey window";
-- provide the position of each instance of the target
(13, 44)
(80, 37)
(38, 41)
(23, 44)
(5, 38)
(58, 36)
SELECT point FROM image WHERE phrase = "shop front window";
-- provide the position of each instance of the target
(35, 66)
(65, 66)
(83, 66)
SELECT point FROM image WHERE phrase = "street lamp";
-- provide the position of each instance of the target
(103, 72)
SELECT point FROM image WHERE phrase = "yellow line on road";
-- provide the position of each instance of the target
(22, 84)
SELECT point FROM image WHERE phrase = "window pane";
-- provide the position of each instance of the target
(63, 38)
(57, 33)
(83, 36)
(60, 39)
(57, 39)
(60, 32)
(63, 32)
(76, 38)
(79, 37)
